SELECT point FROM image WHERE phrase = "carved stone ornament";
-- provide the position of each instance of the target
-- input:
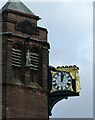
(26, 27)
(28, 60)
(4, 17)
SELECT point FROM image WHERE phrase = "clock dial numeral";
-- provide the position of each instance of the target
(57, 87)
(69, 79)
(54, 80)
(68, 83)
(55, 77)
(54, 84)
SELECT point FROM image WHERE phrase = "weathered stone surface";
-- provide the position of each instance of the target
(24, 92)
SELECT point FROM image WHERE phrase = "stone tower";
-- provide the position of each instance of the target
(25, 59)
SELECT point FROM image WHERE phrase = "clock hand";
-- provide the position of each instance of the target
(61, 77)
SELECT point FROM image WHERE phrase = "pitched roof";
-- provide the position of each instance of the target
(16, 5)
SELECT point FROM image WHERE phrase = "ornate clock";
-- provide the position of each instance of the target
(64, 82)
(61, 80)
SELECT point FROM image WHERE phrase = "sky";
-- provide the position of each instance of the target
(70, 34)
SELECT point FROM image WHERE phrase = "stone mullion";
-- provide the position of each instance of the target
(40, 69)
(23, 64)
(9, 61)
(4, 59)
(27, 76)
(44, 68)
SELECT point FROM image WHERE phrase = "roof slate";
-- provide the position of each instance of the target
(17, 6)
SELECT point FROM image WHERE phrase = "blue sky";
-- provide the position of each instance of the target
(70, 27)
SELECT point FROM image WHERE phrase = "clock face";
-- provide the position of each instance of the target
(62, 80)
